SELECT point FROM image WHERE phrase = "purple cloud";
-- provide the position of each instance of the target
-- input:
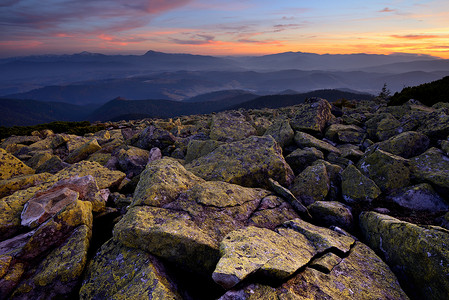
(33, 17)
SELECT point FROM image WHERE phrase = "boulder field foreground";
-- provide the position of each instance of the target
(311, 201)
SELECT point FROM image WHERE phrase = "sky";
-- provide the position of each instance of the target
(213, 27)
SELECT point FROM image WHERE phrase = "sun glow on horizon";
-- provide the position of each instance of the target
(237, 28)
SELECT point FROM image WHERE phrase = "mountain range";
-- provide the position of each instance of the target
(93, 77)
(31, 112)
(81, 86)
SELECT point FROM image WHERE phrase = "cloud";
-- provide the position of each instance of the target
(198, 39)
(415, 36)
(282, 27)
(387, 10)
(32, 17)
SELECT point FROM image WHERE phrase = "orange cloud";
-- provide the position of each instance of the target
(415, 36)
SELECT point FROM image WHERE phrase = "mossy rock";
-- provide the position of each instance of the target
(230, 126)
(23, 140)
(59, 273)
(11, 166)
(52, 165)
(152, 137)
(383, 126)
(272, 212)
(250, 163)
(312, 184)
(432, 167)
(218, 207)
(388, 171)
(332, 213)
(341, 133)
(435, 125)
(119, 272)
(11, 207)
(302, 158)
(101, 158)
(406, 144)
(82, 152)
(420, 197)
(445, 147)
(356, 187)
(258, 250)
(38, 159)
(281, 131)
(9, 186)
(162, 181)
(361, 275)
(168, 234)
(198, 148)
(132, 160)
(418, 255)
(312, 116)
(104, 177)
(304, 140)
(53, 232)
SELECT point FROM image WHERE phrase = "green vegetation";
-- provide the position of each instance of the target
(427, 93)
(77, 128)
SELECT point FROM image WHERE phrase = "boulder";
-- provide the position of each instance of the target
(388, 171)
(420, 197)
(230, 126)
(58, 274)
(360, 275)
(273, 254)
(198, 148)
(53, 232)
(152, 137)
(52, 165)
(356, 187)
(312, 184)
(132, 160)
(331, 213)
(304, 140)
(445, 147)
(351, 152)
(258, 250)
(9, 186)
(162, 181)
(272, 212)
(340, 133)
(302, 158)
(45, 205)
(12, 206)
(435, 125)
(11, 166)
(383, 126)
(23, 140)
(250, 162)
(406, 144)
(82, 152)
(418, 255)
(432, 167)
(168, 234)
(119, 272)
(311, 116)
(287, 195)
(38, 159)
(281, 131)
(104, 177)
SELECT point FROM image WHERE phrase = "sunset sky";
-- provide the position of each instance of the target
(215, 27)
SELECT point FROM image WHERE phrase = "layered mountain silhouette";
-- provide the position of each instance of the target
(31, 112)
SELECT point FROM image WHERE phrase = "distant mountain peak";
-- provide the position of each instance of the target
(119, 98)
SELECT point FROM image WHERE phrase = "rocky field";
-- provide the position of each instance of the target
(313, 201)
